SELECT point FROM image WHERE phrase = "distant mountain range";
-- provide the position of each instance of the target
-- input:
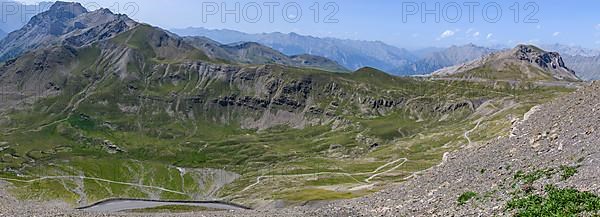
(300, 50)
(255, 53)
(586, 62)
(571, 50)
(587, 67)
(451, 56)
(352, 54)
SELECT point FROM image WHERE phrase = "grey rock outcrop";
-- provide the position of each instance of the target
(524, 62)
(64, 23)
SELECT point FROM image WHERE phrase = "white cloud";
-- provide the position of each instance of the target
(489, 36)
(555, 34)
(476, 34)
(447, 33)
(470, 30)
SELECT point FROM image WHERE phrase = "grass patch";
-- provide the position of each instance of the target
(332, 181)
(313, 194)
(529, 178)
(82, 121)
(557, 202)
(567, 172)
(466, 197)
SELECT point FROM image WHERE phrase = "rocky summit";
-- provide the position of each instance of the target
(522, 63)
(63, 23)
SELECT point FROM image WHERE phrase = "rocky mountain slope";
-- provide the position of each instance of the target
(254, 53)
(524, 63)
(64, 23)
(551, 151)
(585, 62)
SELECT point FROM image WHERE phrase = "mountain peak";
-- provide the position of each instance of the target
(59, 12)
(105, 11)
(527, 49)
(64, 22)
(67, 8)
(543, 59)
(522, 63)
(63, 4)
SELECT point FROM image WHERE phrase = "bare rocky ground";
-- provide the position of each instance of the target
(565, 132)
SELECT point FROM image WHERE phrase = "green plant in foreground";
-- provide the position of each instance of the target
(567, 172)
(465, 197)
(557, 202)
(529, 178)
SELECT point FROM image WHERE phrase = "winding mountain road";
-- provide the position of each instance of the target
(95, 179)
(471, 131)
(373, 174)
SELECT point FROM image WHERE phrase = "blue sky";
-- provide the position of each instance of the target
(553, 21)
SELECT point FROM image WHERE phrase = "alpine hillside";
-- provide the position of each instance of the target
(96, 106)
